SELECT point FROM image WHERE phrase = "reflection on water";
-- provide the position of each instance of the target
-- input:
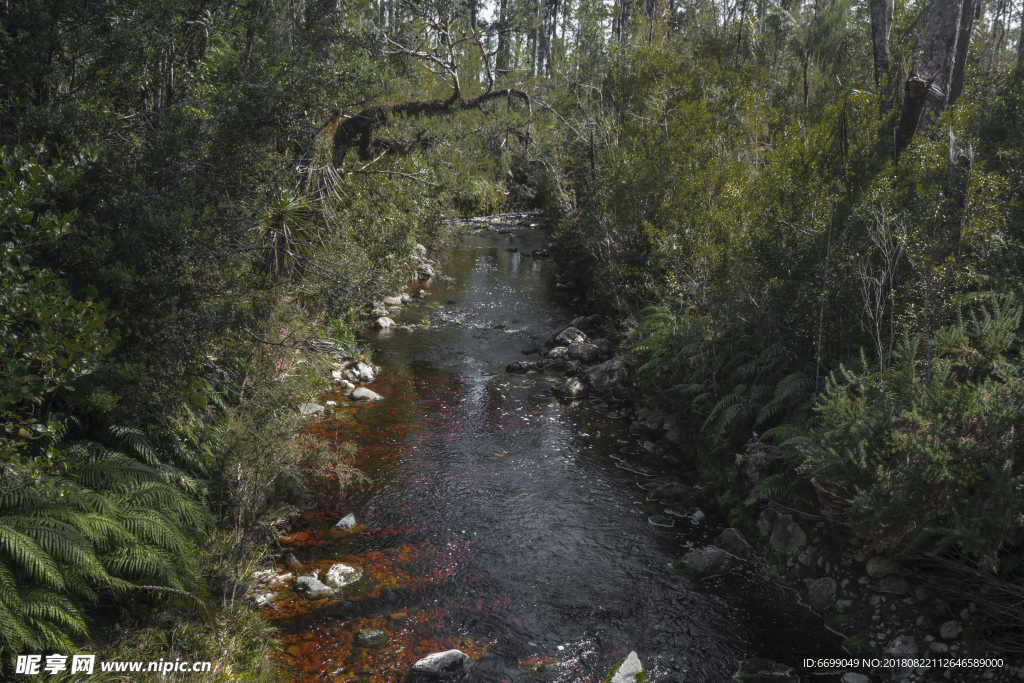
(496, 520)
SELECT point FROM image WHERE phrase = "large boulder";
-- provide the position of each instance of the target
(364, 394)
(584, 353)
(732, 541)
(439, 663)
(609, 374)
(312, 587)
(703, 561)
(425, 270)
(787, 536)
(341, 575)
(571, 335)
(383, 323)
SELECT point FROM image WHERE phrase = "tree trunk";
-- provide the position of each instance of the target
(1020, 42)
(502, 61)
(917, 88)
(881, 27)
(938, 56)
(963, 42)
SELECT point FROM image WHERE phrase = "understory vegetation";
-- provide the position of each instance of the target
(806, 218)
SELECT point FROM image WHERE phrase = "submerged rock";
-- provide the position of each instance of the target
(341, 575)
(364, 394)
(371, 637)
(439, 663)
(312, 587)
(519, 367)
(757, 670)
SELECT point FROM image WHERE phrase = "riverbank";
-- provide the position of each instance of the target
(882, 608)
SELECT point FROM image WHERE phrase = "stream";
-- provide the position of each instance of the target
(504, 521)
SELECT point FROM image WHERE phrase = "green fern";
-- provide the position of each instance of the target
(109, 520)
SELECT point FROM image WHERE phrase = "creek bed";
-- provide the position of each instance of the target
(503, 521)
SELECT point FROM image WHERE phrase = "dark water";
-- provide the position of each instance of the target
(499, 519)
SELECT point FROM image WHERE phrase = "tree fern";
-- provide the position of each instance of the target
(107, 520)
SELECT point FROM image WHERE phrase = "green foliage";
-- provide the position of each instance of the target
(47, 338)
(929, 450)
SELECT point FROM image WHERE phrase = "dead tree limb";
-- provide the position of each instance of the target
(359, 130)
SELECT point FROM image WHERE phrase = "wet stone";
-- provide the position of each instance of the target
(440, 663)
(346, 522)
(364, 394)
(371, 637)
(312, 587)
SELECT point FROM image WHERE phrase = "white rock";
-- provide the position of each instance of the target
(439, 663)
(392, 301)
(630, 669)
(330, 404)
(310, 408)
(383, 323)
(341, 575)
(346, 522)
(346, 387)
(363, 371)
(364, 394)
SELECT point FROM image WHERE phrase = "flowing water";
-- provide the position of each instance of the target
(508, 523)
